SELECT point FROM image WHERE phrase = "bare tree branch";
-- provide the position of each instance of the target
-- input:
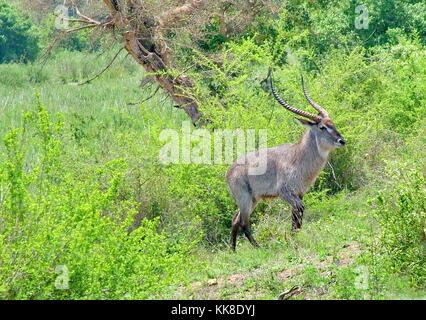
(89, 26)
(104, 69)
(334, 175)
(85, 17)
(146, 99)
(154, 33)
(172, 16)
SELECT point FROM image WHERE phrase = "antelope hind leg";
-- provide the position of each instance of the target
(244, 223)
(249, 236)
(235, 229)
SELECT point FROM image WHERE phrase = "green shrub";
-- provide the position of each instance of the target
(64, 236)
(18, 35)
(311, 29)
(202, 193)
(401, 214)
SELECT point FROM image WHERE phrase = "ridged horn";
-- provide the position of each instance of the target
(287, 106)
(320, 109)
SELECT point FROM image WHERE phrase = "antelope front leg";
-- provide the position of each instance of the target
(297, 214)
(297, 218)
(297, 209)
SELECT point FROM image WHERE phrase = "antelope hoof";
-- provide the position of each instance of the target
(295, 229)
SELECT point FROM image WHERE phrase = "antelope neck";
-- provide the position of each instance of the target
(313, 146)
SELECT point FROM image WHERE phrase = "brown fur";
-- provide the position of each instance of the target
(291, 169)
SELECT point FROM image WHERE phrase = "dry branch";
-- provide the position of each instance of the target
(104, 69)
(173, 16)
(144, 29)
(146, 99)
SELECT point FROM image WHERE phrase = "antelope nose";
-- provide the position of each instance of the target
(341, 141)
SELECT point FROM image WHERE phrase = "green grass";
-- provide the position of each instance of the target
(332, 239)
(325, 259)
(99, 124)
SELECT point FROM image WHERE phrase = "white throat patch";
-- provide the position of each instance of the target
(322, 152)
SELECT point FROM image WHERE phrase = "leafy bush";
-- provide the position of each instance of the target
(400, 210)
(202, 193)
(394, 260)
(67, 237)
(403, 222)
(18, 35)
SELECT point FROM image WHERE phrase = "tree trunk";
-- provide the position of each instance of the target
(150, 50)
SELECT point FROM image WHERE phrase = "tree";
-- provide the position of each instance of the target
(18, 36)
(162, 35)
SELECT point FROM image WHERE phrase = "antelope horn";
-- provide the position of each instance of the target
(321, 110)
(288, 107)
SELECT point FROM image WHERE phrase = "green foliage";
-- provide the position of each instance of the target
(402, 238)
(202, 193)
(18, 35)
(311, 29)
(51, 218)
(64, 67)
(393, 263)
(13, 75)
(408, 16)
(81, 184)
(401, 213)
(76, 41)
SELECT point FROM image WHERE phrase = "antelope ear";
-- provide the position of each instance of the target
(305, 123)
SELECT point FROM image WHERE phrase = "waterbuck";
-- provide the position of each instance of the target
(289, 169)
